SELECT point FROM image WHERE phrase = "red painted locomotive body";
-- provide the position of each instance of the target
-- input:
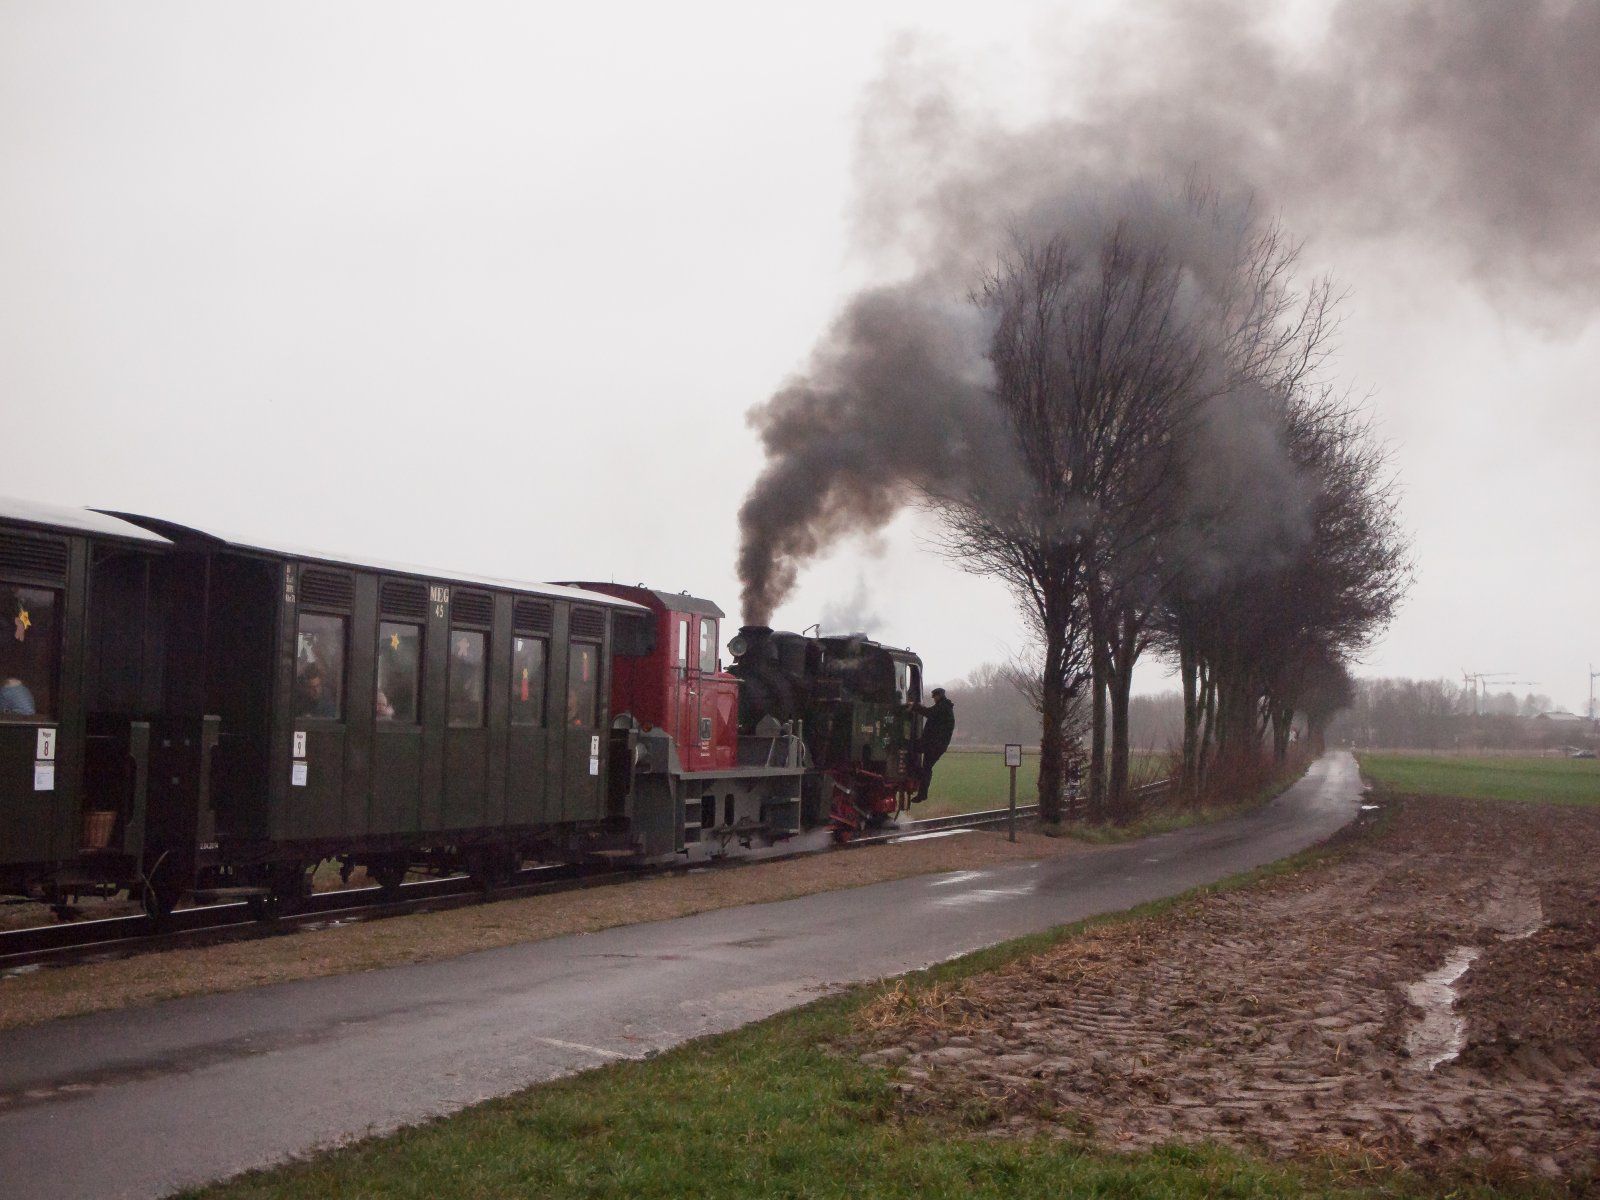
(677, 683)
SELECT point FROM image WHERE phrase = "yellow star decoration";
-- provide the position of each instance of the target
(394, 641)
(23, 623)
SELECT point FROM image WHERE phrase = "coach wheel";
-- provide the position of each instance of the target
(290, 887)
(490, 867)
(160, 895)
(261, 908)
(388, 874)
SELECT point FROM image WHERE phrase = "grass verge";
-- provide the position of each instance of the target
(1171, 814)
(770, 1111)
(1535, 780)
(974, 780)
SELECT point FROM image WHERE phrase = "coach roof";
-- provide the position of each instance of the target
(218, 540)
(74, 520)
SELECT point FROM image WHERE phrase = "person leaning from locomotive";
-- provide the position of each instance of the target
(939, 724)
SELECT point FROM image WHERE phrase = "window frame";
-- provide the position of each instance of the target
(395, 722)
(708, 645)
(342, 694)
(593, 723)
(51, 714)
(543, 683)
(483, 678)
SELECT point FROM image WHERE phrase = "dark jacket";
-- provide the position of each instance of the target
(939, 726)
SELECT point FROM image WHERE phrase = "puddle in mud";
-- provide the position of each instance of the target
(24, 969)
(1438, 1036)
(1370, 807)
(1514, 911)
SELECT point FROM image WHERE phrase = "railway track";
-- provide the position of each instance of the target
(113, 937)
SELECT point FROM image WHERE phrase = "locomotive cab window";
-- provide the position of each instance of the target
(708, 644)
(527, 681)
(399, 673)
(29, 657)
(908, 683)
(683, 641)
(319, 667)
(465, 678)
(583, 685)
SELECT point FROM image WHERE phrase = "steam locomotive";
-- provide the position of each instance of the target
(851, 697)
(187, 714)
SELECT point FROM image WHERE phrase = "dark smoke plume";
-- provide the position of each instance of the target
(895, 399)
(1469, 128)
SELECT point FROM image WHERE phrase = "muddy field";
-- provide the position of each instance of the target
(1429, 1000)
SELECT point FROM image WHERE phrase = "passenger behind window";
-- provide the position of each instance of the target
(315, 698)
(27, 652)
(15, 698)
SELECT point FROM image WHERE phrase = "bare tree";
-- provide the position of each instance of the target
(1094, 361)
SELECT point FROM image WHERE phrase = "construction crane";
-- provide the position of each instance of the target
(1480, 682)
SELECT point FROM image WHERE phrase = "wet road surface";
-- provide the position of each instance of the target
(141, 1102)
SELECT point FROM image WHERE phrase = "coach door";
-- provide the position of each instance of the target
(468, 803)
(39, 739)
(530, 798)
(397, 705)
(584, 716)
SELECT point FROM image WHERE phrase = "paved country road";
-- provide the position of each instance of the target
(141, 1102)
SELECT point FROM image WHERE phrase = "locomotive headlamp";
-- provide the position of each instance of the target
(738, 645)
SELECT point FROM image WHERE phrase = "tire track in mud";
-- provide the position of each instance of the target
(1277, 1016)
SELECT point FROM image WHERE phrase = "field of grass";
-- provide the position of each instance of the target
(973, 780)
(769, 1111)
(1539, 780)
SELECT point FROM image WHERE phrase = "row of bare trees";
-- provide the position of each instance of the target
(1189, 485)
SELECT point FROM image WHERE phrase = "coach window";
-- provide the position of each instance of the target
(29, 648)
(527, 681)
(583, 685)
(708, 645)
(399, 672)
(465, 679)
(319, 667)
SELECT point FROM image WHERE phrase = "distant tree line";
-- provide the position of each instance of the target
(992, 709)
(995, 705)
(1438, 714)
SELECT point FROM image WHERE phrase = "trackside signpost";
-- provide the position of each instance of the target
(1013, 761)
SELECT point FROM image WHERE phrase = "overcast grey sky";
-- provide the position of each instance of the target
(491, 286)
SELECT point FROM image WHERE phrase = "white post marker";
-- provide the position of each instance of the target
(1013, 761)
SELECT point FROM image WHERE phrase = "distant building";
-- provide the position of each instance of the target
(1561, 719)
